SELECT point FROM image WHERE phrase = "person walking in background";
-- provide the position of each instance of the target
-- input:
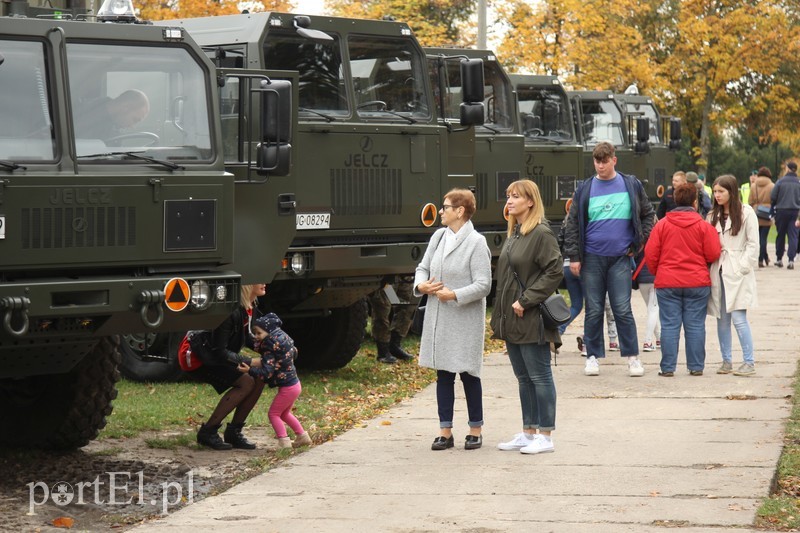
(529, 270)
(608, 223)
(644, 280)
(745, 189)
(388, 328)
(733, 278)
(220, 370)
(667, 202)
(703, 199)
(277, 370)
(678, 252)
(574, 287)
(760, 200)
(456, 274)
(785, 198)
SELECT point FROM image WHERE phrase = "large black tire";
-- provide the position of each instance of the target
(62, 411)
(138, 361)
(326, 343)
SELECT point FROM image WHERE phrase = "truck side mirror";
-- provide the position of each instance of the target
(642, 136)
(675, 134)
(273, 156)
(472, 89)
(472, 80)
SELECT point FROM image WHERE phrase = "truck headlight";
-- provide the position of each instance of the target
(200, 299)
(298, 263)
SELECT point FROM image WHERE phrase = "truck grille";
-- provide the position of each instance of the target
(78, 227)
(366, 191)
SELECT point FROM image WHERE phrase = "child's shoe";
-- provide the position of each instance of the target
(613, 347)
(649, 347)
(284, 442)
(302, 440)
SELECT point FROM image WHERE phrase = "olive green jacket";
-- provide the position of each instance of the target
(536, 259)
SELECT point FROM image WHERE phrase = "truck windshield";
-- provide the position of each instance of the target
(387, 77)
(544, 113)
(649, 112)
(498, 103)
(321, 86)
(151, 100)
(602, 121)
(26, 133)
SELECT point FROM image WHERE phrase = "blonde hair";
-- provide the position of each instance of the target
(530, 191)
(245, 296)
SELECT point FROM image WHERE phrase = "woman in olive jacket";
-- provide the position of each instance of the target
(529, 270)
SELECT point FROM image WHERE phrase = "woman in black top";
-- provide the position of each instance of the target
(219, 370)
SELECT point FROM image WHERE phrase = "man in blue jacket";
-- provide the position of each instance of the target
(785, 199)
(608, 224)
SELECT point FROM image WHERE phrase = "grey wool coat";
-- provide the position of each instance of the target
(453, 332)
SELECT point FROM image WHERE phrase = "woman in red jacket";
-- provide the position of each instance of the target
(678, 252)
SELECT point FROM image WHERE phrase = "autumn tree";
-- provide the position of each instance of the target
(171, 9)
(435, 22)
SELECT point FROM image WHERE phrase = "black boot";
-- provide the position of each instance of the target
(208, 436)
(233, 435)
(383, 353)
(396, 349)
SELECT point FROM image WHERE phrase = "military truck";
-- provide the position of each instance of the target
(498, 154)
(116, 213)
(637, 131)
(664, 140)
(371, 169)
(553, 153)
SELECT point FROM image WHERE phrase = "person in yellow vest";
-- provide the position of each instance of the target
(744, 189)
(702, 179)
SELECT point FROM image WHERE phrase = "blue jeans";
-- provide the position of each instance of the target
(739, 318)
(685, 306)
(537, 391)
(575, 290)
(612, 275)
(784, 223)
(446, 398)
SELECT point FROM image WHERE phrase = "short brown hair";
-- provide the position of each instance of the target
(604, 150)
(764, 171)
(462, 198)
(685, 194)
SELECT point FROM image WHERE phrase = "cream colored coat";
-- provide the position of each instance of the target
(739, 260)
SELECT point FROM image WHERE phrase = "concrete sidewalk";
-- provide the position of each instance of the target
(631, 454)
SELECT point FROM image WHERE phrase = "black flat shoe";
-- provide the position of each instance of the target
(666, 374)
(473, 442)
(442, 443)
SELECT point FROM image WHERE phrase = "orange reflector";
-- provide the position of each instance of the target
(176, 294)
(428, 215)
(567, 205)
(660, 191)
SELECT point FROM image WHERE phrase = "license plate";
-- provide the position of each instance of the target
(313, 221)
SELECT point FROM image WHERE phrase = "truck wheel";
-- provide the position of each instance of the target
(62, 411)
(326, 343)
(151, 357)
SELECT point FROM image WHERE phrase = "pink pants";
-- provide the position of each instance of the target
(280, 411)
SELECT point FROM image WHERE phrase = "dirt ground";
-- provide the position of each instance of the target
(114, 484)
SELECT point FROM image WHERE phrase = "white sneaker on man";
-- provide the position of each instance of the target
(517, 442)
(541, 444)
(592, 367)
(635, 368)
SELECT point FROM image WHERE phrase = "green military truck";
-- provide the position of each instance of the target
(116, 212)
(370, 162)
(663, 139)
(553, 154)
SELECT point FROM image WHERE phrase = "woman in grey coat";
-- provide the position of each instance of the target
(456, 274)
(529, 270)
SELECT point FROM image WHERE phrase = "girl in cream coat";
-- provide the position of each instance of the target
(733, 279)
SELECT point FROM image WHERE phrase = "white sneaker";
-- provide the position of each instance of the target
(519, 441)
(592, 367)
(635, 368)
(540, 444)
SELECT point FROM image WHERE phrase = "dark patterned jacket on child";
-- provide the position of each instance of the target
(278, 353)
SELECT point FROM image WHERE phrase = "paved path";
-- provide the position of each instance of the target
(632, 454)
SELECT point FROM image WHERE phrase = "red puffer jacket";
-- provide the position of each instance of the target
(679, 250)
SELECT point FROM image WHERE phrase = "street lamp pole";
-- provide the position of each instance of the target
(482, 24)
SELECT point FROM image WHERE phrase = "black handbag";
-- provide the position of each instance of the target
(553, 310)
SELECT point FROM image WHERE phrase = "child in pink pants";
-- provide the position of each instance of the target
(277, 370)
